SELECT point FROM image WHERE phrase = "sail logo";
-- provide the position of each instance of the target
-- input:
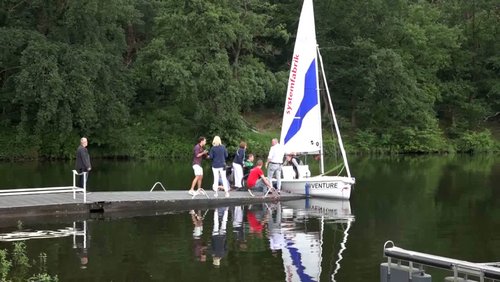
(293, 77)
(308, 102)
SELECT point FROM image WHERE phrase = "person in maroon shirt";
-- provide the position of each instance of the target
(256, 179)
(198, 154)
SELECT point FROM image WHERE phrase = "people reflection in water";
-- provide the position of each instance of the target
(219, 247)
(81, 245)
(256, 217)
(238, 228)
(199, 247)
(275, 230)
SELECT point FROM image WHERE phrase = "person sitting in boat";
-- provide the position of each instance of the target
(293, 160)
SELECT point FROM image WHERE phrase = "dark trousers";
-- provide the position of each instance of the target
(81, 179)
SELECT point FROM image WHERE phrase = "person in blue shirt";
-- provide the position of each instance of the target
(218, 155)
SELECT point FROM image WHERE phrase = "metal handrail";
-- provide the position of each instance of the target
(51, 190)
(457, 266)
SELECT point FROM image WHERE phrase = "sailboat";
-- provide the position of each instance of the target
(301, 130)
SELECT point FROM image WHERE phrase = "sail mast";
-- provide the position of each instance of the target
(321, 152)
(339, 138)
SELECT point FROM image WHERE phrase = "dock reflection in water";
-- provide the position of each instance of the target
(78, 231)
(290, 241)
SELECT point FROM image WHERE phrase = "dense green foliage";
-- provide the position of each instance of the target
(145, 78)
(16, 266)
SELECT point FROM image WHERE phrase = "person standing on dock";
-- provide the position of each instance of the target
(83, 162)
(274, 162)
(198, 153)
(218, 154)
(238, 160)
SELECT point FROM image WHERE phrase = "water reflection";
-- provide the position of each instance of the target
(79, 232)
(291, 241)
(219, 246)
(199, 246)
(293, 232)
(300, 233)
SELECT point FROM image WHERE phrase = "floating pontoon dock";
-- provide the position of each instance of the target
(414, 271)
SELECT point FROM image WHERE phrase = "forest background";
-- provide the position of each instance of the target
(146, 78)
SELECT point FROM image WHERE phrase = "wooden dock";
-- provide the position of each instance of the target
(20, 207)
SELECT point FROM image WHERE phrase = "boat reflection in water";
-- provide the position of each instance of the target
(299, 229)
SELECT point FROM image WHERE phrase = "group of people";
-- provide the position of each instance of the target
(256, 181)
(218, 154)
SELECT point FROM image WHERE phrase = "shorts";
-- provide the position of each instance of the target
(198, 171)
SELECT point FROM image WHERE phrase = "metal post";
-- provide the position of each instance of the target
(74, 235)
(85, 187)
(84, 234)
(74, 184)
(410, 273)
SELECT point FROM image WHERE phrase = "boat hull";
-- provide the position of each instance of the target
(335, 187)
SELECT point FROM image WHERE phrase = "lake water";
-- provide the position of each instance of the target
(442, 205)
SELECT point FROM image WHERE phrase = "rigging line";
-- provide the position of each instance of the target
(333, 248)
(342, 248)
(339, 137)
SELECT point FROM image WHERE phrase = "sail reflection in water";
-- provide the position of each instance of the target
(294, 232)
(303, 244)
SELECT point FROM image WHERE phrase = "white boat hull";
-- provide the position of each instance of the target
(336, 187)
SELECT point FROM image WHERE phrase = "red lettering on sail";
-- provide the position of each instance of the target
(291, 83)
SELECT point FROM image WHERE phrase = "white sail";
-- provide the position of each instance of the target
(301, 127)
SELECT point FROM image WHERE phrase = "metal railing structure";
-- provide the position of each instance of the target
(51, 190)
(23, 235)
(462, 270)
(154, 186)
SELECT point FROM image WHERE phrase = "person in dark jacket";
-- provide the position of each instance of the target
(83, 162)
(218, 155)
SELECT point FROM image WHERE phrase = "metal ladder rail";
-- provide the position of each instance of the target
(163, 187)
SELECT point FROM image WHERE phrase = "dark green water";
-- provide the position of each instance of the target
(447, 206)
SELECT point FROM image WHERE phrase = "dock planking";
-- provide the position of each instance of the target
(60, 204)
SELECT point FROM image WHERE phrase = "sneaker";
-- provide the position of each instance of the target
(193, 193)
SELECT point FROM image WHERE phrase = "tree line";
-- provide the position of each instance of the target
(145, 78)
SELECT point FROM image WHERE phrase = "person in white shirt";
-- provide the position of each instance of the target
(274, 162)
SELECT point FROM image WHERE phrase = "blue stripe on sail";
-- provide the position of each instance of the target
(297, 262)
(308, 102)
